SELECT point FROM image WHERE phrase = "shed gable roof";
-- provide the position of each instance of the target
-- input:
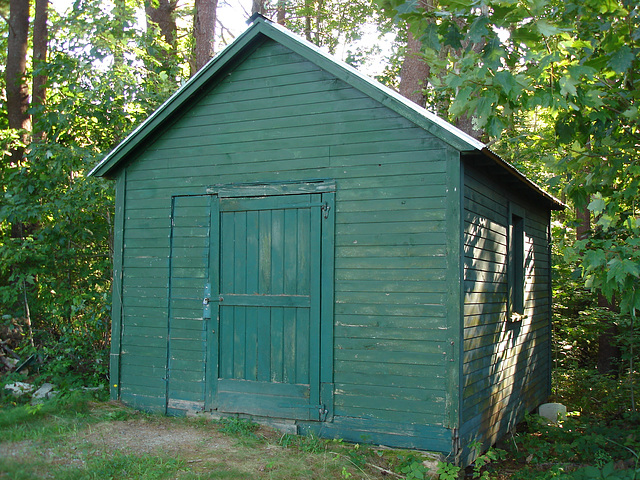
(262, 29)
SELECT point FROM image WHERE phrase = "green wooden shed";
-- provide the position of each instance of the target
(298, 243)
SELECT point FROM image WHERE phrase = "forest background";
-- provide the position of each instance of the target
(552, 86)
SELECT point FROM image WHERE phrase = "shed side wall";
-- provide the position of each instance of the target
(506, 367)
(277, 117)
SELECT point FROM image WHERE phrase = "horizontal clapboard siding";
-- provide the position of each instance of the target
(506, 366)
(276, 118)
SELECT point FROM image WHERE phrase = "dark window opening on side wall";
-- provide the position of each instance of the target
(516, 270)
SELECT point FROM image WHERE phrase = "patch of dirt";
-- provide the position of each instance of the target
(16, 449)
(199, 445)
(141, 436)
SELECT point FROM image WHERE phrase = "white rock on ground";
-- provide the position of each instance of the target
(45, 392)
(19, 388)
(555, 412)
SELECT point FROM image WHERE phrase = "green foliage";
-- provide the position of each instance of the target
(412, 466)
(557, 81)
(56, 225)
(312, 444)
(578, 440)
(238, 427)
(49, 419)
(448, 471)
(332, 23)
(481, 462)
(589, 392)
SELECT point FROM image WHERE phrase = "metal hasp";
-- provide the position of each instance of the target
(206, 302)
(322, 412)
(325, 208)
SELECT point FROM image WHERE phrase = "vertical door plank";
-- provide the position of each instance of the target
(239, 338)
(290, 345)
(251, 345)
(264, 262)
(302, 345)
(277, 344)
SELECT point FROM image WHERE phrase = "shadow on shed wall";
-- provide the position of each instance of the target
(505, 363)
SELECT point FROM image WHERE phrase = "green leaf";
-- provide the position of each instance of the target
(495, 127)
(484, 107)
(621, 59)
(564, 131)
(597, 205)
(507, 81)
(619, 269)
(453, 37)
(594, 259)
(461, 103)
(567, 86)
(407, 7)
(430, 38)
(631, 113)
(454, 81)
(478, 30)
(546, 29)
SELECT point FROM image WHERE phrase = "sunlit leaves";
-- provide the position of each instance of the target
(574, 66)
(622, 59)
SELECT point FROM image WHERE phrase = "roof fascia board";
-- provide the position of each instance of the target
(183, 94)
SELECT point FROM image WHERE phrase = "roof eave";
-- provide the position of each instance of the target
(554, 203)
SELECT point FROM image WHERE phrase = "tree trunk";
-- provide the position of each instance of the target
(257, 6)
(307, 19)
(281, 13)
(465, 123)
(164, 16)
(204, 31)
(583, 230)
(40, 44)
(414, 72)
(17, 89)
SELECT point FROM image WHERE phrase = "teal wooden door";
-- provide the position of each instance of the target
(269, 301)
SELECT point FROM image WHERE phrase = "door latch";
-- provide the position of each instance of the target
(325, 208)
(206, 302)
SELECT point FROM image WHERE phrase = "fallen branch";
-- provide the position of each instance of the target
(384, 470)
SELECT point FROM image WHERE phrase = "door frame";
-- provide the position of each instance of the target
(327, 188)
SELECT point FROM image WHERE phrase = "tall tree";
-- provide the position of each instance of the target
(574, 65)
(281, 12)
(204, 23)
(414, 71)
(15, 72)
(258, 6)
(162, 14)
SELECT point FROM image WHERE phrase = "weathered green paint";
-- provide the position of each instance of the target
(188, 282)
(117, 288)
(506, 364)
(352, 258)
(270, 294)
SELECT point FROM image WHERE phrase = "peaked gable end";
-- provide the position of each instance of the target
(236, 52)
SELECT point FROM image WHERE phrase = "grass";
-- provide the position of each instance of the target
(75, 438)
